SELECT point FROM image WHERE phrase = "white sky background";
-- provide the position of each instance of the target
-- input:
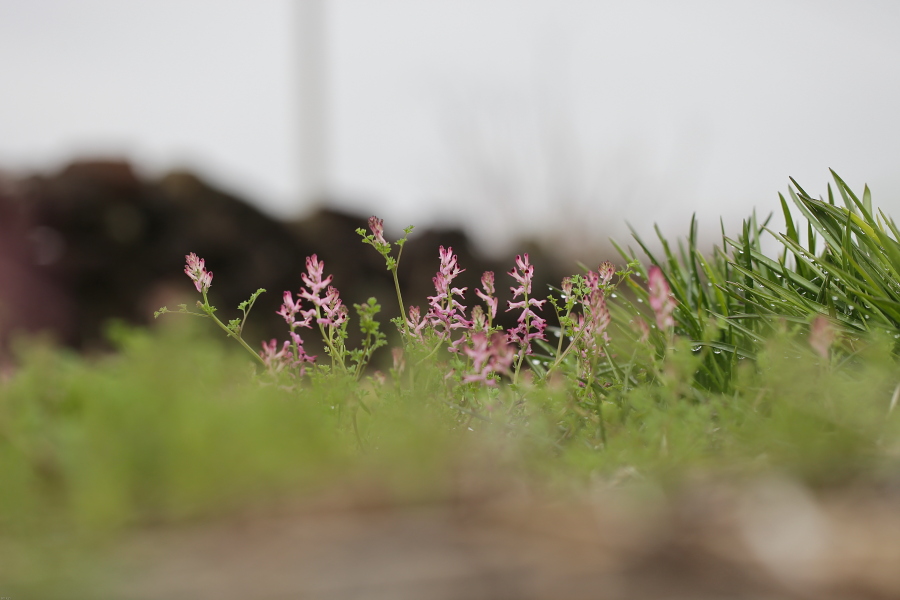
(508, 116)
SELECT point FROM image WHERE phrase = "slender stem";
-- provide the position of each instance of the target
(399, 295)
(431, 353)
(238, 338)
(337, 358)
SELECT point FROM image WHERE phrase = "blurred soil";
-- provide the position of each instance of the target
(768, 538)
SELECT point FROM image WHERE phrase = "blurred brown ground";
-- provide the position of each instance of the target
(495, 538)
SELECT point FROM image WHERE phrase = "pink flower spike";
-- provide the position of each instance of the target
(288, 308)
(376, 225)
(415, 322)
(275, 361)
(488, 356)
(335, 311)
(445, 308)
(524, 278)
(528, 320)
(661, 300)
(821, 336)
(606, 270)
(487, 282)
(196, 270)
(313, 279)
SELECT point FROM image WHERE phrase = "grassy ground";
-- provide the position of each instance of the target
(174, 431)
(157, 451)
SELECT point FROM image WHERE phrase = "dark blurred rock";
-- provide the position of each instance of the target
(96, 242)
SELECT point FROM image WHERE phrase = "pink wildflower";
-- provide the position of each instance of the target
(593, 323)
(488, 357)
(528, 320)
(415, 322)
(290, 308)
(479, 319)
(524, 278)
(335, 311)
(274, 361)
(606, 270)
(291, 355)
(313, 280)
(376, 225)
(445, 308)
(487, 282)
(196, 270)
(661, 300)
(821, 335)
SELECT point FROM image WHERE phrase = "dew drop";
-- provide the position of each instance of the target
(641, 300)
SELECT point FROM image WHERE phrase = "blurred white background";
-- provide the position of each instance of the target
(557, 120)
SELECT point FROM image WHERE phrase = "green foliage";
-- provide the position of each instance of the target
(174, 426)
(844, 268)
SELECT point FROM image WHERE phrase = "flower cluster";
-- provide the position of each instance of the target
(482, 350)
(595, 317)
(822, 335)
(487, 294)
(415, 323)
(531, 326)
(661, 300)
(292, 355)
(488, 356)
(376, 225)
(329, 309)
(196, 270)
(446, 311)
(290, 308)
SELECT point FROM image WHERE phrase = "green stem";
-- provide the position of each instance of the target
(560, 355)
(236, 336)
(399, 295)
(430, 354)
(337, 358)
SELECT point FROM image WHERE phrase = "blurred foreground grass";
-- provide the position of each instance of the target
(175, 428)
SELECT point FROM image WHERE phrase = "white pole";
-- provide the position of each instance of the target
(313, 100)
